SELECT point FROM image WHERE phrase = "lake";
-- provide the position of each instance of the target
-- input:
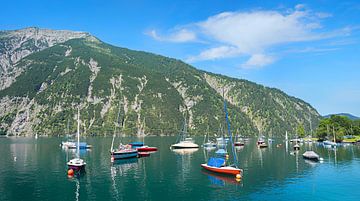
(274, 173)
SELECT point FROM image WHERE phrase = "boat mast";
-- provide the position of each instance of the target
(116, 123)
(229, 132)
(78, 134)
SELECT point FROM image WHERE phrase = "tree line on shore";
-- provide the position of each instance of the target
(336, 126)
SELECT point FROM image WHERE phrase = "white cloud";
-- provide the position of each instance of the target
(215, 53)
(258, 60)
(252, 34)
(182, 35)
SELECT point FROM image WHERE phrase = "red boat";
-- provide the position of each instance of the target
(218, 165)
(222, 170)
(146, 149)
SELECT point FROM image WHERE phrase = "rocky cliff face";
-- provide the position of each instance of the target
(15, 45)
(140, 92)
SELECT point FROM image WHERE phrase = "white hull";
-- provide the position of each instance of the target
(184, 145)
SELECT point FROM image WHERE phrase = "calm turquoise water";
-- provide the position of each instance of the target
(39, 173)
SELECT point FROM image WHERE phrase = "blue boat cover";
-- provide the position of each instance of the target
(137, 144)
(221, 152)
(216, 162)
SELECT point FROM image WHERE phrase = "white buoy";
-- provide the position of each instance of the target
(14, 158)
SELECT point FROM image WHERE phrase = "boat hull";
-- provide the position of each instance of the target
(239, 144)
(76, 164)
(222, 170)
(146, 149)
(118, 155)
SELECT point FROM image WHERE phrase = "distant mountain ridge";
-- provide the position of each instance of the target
(153, 93)
(350, 116)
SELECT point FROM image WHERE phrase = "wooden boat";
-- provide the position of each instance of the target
(77, 163)
(184, 141)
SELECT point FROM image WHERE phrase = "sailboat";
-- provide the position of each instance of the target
(261, 142)
(123, 151)
(218, 165)
(184, 142)
(330, 143)
(237, 141)
(77, 163)
(207, 143)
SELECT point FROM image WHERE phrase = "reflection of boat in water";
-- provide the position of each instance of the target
(185, 151)
(239, 148)
(77, 183)
(122, 166)
(220, 179)
(82, 145)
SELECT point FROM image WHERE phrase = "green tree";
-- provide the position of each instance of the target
(323, 129)
(300, 130)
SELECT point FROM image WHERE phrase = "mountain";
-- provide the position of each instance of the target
(350, 116)
(15, 45)
(152, 94)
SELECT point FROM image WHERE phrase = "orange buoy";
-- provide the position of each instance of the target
(112, 159)
(70, 172)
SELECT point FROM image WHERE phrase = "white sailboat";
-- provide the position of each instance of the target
(77, 163)
(184, 142)
(330, 143)
(207, 143)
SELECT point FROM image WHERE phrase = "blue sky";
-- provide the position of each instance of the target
(308, 49)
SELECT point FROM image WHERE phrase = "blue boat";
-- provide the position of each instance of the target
(123, 151)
